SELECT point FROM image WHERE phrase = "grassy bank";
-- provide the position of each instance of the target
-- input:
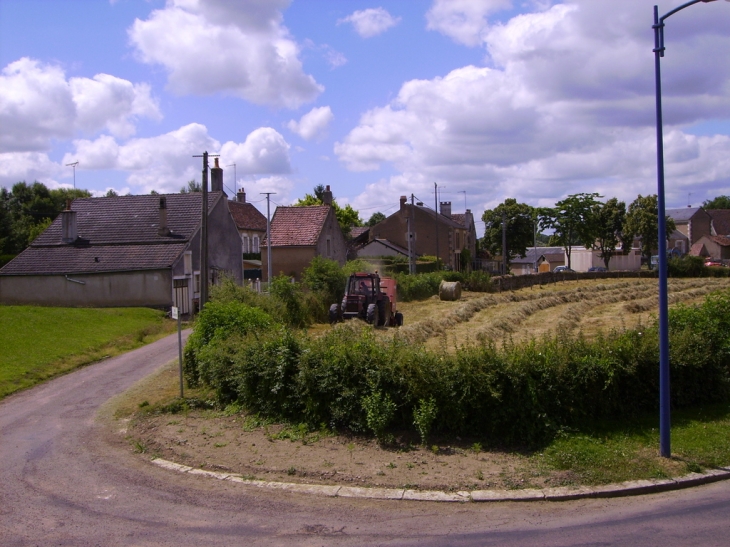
(39, 343)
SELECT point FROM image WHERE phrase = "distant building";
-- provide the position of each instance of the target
(298, 234)
(251, 226)
(125, 251)
(691, 222)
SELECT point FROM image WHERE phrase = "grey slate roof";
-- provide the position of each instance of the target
(532, 255)
(115, 234)
(683, 214)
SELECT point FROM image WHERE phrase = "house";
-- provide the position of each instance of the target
(125, 251)
(381, 247)
(692, 222)
(720, 222)
(466, 219)
(714, 246)
(298, 234)
(537, 259)
(430, 233)
(251, 226)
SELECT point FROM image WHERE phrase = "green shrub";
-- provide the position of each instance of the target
(291, 296)
(686, 266)
(327, 277)
(517, 394)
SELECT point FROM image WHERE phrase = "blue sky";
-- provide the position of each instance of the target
(489, 99)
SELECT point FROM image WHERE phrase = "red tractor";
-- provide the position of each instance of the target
(371, 298)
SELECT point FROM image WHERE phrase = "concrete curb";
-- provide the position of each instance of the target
(628, 488)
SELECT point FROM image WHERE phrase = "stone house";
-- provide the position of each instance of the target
(251, 226)
(691, 222)
(298, 234)
(717, 247)
(430, 233)
(125, 251)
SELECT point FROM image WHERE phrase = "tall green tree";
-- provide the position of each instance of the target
(609, 221)
(375, 218)
(572, 221)
(191, 186)
(347, 217)
(642, 220)
(518, 218)
(27, 210)
(720, 202)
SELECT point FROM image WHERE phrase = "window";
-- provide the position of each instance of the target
(196, 282)
(188, 263)
(244, 240)
(329, 247)
(255, 245)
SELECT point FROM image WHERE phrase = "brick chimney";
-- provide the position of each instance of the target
(327, 196)
(403, 201)
(216, 178)
(241, 196)
(163, 230)
(446, 208)
(69, 231)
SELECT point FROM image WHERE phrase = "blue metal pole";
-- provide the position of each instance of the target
(664, 396)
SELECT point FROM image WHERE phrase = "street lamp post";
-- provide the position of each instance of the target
(664, 413)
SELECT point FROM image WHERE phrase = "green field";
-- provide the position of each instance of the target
(39, 343)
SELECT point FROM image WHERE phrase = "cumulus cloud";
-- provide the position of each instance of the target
(165, 162)
(566, 104)
(28, 167)
(313, 124)
(237, 48)
(464, 21)
(370, 22)
(38, 104)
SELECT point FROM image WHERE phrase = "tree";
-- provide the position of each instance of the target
(347, 217)
(572, 221)
(520, 226)
(192, 186)
(375, 218)
(720, 202)
(642, 220)
(27, 210)
(609, 220)
(111, 193)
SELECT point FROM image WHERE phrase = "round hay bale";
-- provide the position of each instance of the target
(450, 290)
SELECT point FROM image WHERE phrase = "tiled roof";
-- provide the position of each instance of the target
(115, 234)
(246, 216)
(358, 231)
(297, 226)
(533, 254)
(77, 259)
(698, 249)
(721, 240)
(131, 219)
(720, 221)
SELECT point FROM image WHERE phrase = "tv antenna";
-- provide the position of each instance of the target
(74, 164)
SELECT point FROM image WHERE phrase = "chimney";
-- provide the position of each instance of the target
(419, 203)
(241, 196)
(69, 232)
(163, 230)
(446, 208)
(327, 196)
(403, 201)
(216, 178)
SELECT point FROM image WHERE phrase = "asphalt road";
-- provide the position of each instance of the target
(65, 479)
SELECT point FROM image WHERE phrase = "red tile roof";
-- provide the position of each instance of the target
(297, 226)
(721, 240)
(246, 216)
(720, 221)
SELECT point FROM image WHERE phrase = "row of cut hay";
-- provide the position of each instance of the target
(651, 303)
(510, 321)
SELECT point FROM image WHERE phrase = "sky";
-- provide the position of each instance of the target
(483, 99)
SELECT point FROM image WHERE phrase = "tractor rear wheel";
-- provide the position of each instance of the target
(372, 315)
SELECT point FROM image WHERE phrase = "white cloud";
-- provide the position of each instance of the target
(165, 162)
(566, 105)
(38, 104)
(237, 48)
(313, 124)
(28, 167)
(370, 22)
(464, 21)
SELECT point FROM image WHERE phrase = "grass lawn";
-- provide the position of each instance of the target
(39, 343)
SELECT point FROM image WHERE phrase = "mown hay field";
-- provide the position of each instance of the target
(582, 307)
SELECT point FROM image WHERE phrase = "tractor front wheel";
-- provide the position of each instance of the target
(372, 315)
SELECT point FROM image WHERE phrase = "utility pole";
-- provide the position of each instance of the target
(204, 232)
(504, 243)
(268, 236)
(74, 164)
(436, 217)
(411, 240)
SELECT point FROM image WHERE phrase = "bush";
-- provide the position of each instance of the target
(517, 394)
(291, 296)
